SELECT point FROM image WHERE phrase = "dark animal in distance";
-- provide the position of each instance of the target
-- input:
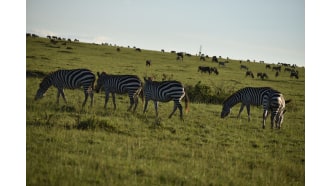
(294, 74)
(215, 70)
(205, 69)
(244, 67)
(148, 63)
(262, 75)
(215, 59)
(249, 73)
(277, 74)
(223, 63)
(71, 79)
(179, 56)
(278, 69)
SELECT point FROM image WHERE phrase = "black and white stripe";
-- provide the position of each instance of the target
(165, 91)
(277, 108)
(119, 84)
(70, 79)
(269, 98)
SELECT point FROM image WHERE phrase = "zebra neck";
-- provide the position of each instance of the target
(232, 100)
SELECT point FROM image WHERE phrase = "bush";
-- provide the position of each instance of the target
(201, 93)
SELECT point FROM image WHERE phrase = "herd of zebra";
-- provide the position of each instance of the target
(158, 91)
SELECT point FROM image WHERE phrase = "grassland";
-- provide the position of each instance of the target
(70, 145)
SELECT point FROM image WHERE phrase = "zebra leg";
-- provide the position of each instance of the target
(136, 101)
(174, 109)
(114, 100)
(58, 96)
(272, 120)
(156, 108)
(61, 91)
(248, 111)
(106, 99)
(145, 105)
(86, 96)
(131, 100)
(264, 117)
(91, 94)
(240, 110)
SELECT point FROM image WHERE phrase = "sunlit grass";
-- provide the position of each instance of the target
(70, 145)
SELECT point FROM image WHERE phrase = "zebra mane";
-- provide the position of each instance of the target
(230, 98)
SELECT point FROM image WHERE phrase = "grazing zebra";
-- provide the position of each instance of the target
(70, 79)
(165, 91)
(277, 108)
(120, 84)
(269, 98)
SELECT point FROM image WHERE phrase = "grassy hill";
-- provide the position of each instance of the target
(70, 145)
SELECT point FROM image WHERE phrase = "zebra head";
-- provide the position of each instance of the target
(100, 81)
(279, 119)
(225, 111)
(43, 87)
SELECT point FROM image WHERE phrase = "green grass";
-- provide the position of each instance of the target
(70, 145)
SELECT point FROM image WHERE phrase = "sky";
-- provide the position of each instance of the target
(272, 31)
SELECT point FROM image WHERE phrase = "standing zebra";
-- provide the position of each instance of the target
(120, 84)
(70, 79)
(269, 98)
(165, 91)
(277, 108)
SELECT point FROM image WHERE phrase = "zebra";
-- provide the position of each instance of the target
(71, 79)
(269, 98)
(120, 84)
(165, 91)
(277, 108)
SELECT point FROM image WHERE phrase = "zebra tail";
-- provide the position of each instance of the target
(288, 101)
(186, 102)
